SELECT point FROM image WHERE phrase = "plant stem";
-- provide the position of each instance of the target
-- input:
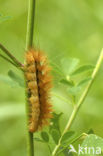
(5, 58)
(80, 102)
(29, 44)
(14, 64)
(82, 136)
(10, 55)
(30, 24)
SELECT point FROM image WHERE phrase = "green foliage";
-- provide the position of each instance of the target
(74, 90)
(93, 141)
(68, 65)
(67, 137)
(83, 69)
(67, 82)
(7, 80)
(13, 79)
(16, 78)
(61, 30)
(55, 122)
(70, 78)
(55, 135)
(39, 140)
(91, 131)
(45, 136)
(84, 81)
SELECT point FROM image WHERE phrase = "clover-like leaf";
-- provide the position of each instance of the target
(74, 90)
(38, 139)
(67, 82)
(55, 122)
(67, 136)
(69, 64)
(82, 69)
(16, 78)
(84, 81)
(45, 136)
(55, 135)
(95, 143)
(7, 80)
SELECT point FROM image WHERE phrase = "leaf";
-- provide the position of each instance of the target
(82, 69)
(84, 81)
(7, 80)
(68, 139)
(69, 64)
(74, 90)
(66, 152)
(91, 131)
(57, 69)
(55, 135)
(67, 136)
(67, 82)
(45, 136)
(92, 141)
(16, 78)
(38, 139)
(55, 122)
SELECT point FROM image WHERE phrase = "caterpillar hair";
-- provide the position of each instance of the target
(38, 81)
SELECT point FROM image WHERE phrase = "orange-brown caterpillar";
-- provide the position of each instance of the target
(38, 85)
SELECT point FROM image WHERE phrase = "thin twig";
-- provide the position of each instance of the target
(8, 53)
(82, 136)
(8, 60)
(5, 58)
(29, 44)
(80, 102)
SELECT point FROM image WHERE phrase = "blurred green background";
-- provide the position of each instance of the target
(72, 28)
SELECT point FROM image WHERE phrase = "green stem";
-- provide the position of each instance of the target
(80, 102)
(5, 58)
(29, 44)
(10, 56)
(14, 64)
(82, 136)
(30, 24)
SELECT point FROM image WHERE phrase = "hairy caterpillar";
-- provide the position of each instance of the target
(38, 83)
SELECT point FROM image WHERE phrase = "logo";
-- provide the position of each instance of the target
(85, 150)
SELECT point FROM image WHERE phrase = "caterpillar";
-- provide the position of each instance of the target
(38, 82)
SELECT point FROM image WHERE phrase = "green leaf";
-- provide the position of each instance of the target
(67, 82)
(84, 81)
(55, 135)
(69, 64)
(45, 136)
(38, 139)
(74, 90)
(57, 69)
(91, 131)
(82, 69)
(16, 78)
(67, 136)
(92, 141)
(7, 80)
(55, 122)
